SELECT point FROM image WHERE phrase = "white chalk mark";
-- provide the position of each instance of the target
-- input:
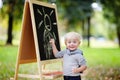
(39, 11)
(40, 24)
(43, 10)
(51, 12)
(54, 23)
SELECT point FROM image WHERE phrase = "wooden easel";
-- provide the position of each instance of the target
(28, 49)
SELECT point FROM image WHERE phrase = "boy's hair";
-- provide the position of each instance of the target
(72, 34)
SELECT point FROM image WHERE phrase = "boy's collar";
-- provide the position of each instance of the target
(76, 51)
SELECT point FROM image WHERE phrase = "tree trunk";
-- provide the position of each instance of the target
(118, 35)
(88, 31)
(83, 29)
(10, 21)
(10, 25)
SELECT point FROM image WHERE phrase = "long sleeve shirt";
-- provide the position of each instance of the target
(71, 59)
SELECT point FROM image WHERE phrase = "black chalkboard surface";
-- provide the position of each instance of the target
(46, 28)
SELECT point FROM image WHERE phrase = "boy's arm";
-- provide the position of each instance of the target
(54, 48)
(80, 69)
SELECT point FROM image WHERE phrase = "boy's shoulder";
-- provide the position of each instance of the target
(79, 51)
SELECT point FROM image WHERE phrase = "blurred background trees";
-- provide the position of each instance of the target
(11, 13)
(77, 12)
(112, 14)
(79, 15)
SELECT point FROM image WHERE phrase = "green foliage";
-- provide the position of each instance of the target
(17, 8)
(102, 27)
(74, 11)
(13, 10)
(17, 12)
(112, 13)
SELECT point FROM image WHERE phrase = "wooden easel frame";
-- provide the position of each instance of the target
(28, 50)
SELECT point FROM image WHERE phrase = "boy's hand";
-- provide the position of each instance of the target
(75, 70)
(79, 69)
(52, 41)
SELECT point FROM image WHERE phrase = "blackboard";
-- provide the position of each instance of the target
(45, 20)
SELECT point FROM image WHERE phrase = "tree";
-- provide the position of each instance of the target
(14, 12)
(77, 11)
(112, 13)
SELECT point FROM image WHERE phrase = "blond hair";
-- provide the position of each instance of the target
(72, 34)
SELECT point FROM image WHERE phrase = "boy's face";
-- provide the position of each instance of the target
(72, 43)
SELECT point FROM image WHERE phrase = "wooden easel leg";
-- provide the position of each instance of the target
(39, 68)
(16, 71)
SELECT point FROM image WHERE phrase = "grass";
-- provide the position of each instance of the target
(102, 56)
(7, 61)
(103, 63)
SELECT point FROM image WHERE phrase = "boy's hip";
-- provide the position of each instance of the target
(72, 77)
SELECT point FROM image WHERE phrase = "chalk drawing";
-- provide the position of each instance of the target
(48, 34)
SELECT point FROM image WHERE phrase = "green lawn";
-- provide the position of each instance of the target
(103, 63)
(108, 57)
